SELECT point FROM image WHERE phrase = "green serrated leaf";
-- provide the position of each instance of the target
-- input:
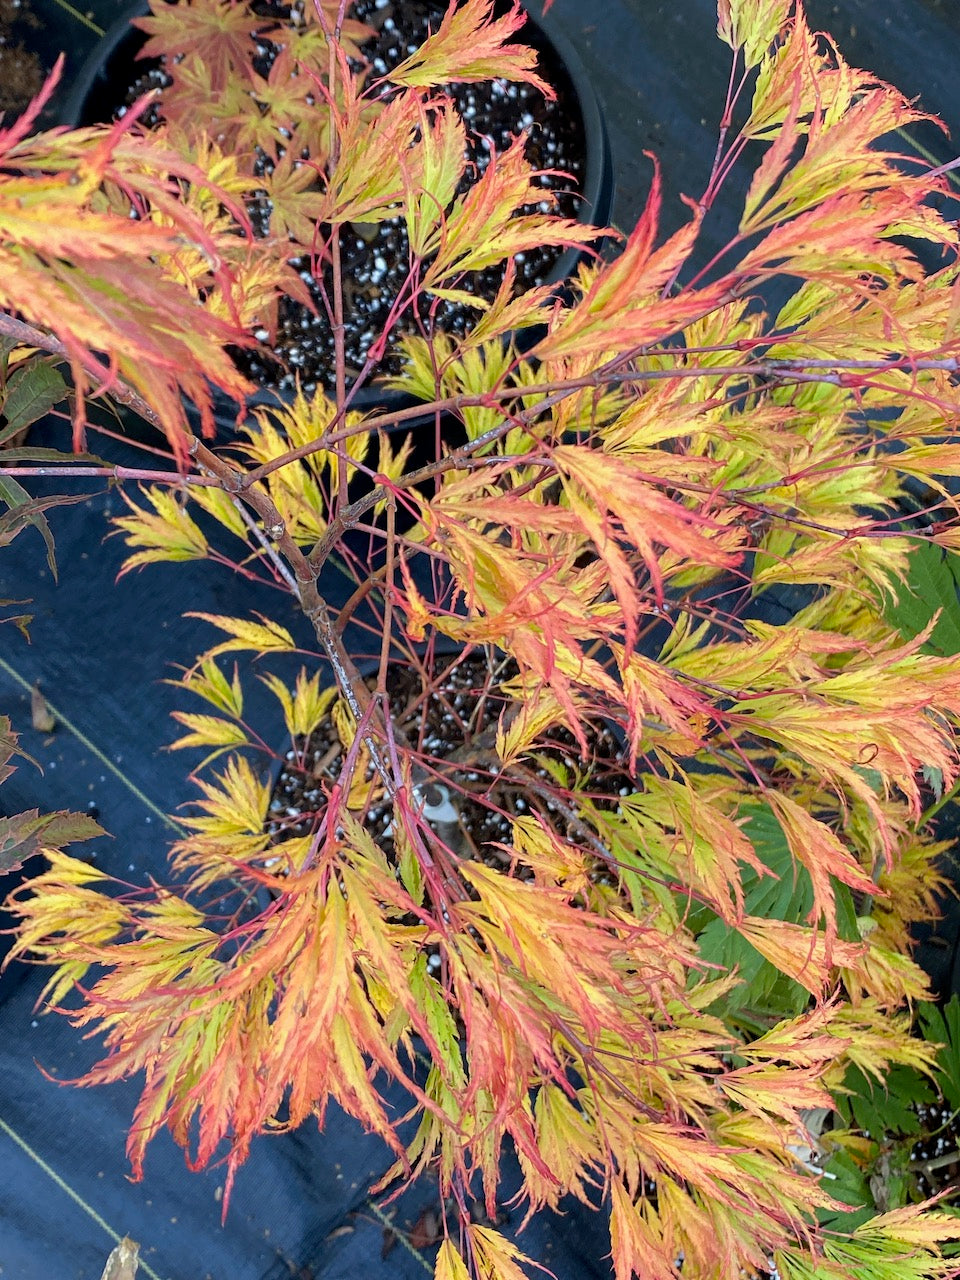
(24, 511)
(28, 512)
(847, 1183)
(32, 390)
(429, 996)
(20, 620)
(848, 929)
(410, 872)
(932, 585)
(944, 1026)
(8, 747)
(787, 894)
(884, 1109)
(934, 780)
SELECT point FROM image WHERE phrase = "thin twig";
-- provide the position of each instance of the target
(144, 474)
(801, 371)
(938, 1162)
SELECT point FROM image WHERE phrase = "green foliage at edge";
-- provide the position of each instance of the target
(933, 583)
(784, 894)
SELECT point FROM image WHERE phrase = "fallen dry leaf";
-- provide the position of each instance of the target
(123, 1261)
(40, 714)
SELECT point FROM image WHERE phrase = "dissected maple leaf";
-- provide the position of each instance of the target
(611, 494)
(169, 533)
(623, 305)
(487, 224)
(471, 44)
(752, 27)
(429, 189)
(800, 952)
(825, 857)
(635, 1234)
(377, 162)
(220, 36)
(450, 1265)
(95, 277)
(257, 637)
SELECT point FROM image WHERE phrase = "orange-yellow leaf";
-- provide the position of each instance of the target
(914, 1224)
(449, 1264)
(638, 1248)
(623, 304)
(614, 498)
(751, 25)
(265, 636)
(824, 855)
(471, 44)
(776, 1090)
(496, 1257)
(799, 952)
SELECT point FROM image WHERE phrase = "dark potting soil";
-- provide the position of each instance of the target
(465, 797)
(21, 71)
(375, 257)
(936, 1153)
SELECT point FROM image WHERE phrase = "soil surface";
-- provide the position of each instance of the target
(465, 797)
(21, 71)
(375, 257)
(936, 1153)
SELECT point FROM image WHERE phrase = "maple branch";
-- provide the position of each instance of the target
(270, 550)
(590, 1057)
(801, 370)
(717, 179)
(314, 606)
(336, 262)
(340, 372)
(871, 529)
(347, 518)
(938, 1162)
(30, 336)
(942, 169)
(117, 472)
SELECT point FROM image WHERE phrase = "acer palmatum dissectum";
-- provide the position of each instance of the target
(650, 1039)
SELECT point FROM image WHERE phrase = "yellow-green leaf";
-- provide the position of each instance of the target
(449, 1264)
(265, 636)
(470, 45)
(751, 25)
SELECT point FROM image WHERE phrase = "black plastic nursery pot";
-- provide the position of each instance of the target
(452, 717)
(567, 141)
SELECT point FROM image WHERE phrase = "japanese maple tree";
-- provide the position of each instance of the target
(665, 977)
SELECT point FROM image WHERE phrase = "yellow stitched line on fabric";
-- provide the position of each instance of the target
(80, 17)
(58, 715)
(391, 1226)
(75, 1196)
